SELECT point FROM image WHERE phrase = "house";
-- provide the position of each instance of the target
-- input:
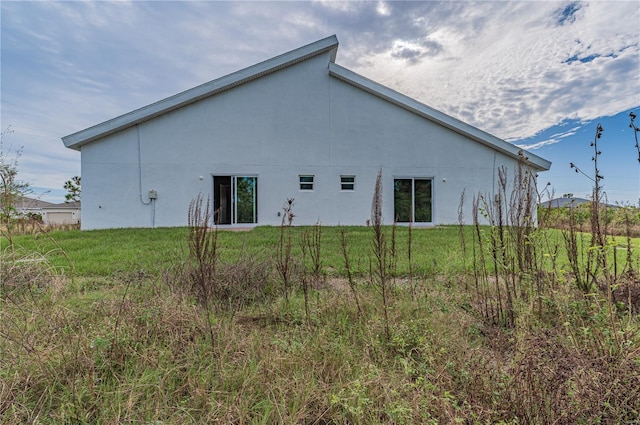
(52, 214)
(63, 213)
(571, 202)
(565, 201)
(295, 126)
(26, 206)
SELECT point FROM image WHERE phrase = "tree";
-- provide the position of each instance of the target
(11, 187)
(74, 188)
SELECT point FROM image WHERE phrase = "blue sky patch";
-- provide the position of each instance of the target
(584, 59)
(567, 15)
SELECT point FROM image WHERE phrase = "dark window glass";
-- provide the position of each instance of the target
(347, 182)
(422, 201)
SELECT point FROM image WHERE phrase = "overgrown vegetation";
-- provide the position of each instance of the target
(618, 220)
(136, 345)
(12, 188)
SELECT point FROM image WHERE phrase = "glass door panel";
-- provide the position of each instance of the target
(246, 199)
(422, 201)
(402, 200)
(222, 199)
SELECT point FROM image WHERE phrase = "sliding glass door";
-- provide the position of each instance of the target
(235, 199)
(412, 200)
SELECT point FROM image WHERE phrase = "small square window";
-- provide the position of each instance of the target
(347, 182)
(306, 182)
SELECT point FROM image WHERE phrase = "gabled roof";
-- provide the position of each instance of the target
(73, 205)
(434, 115)
(566, 202)
(76, 140)
(329, 44)
(24, 203)
(563, 202)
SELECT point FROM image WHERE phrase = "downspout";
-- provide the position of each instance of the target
(150, 201)
(493, 183)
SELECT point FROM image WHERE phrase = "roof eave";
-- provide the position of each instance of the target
(418, 108)
(211, 88)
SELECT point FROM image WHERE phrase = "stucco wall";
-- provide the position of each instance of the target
(296, 121)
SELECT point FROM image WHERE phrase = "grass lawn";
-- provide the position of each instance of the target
(103, 252)
(435, 250)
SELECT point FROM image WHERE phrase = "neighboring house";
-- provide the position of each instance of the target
(566, 202)
(64, 213)
(25, 206)
(563, 202)
(295, 126)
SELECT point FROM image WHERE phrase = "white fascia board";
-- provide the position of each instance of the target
(434, 115)
(76, 140)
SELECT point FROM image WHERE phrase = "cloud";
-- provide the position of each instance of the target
(507, 67)
(383, 8)
(413, 51)
(550, 140)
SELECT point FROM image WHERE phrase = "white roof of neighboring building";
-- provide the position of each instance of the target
(329, 44)
(563, 202)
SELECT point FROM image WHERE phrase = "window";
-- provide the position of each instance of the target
(412, 200)
(235, 199)
(306, 182)
(347, 182)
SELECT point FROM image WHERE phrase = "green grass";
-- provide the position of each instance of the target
(104, 252)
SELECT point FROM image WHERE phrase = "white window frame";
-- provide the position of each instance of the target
(306, 182)
(345, 184)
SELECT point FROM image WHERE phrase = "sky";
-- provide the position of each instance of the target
(541, 75)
